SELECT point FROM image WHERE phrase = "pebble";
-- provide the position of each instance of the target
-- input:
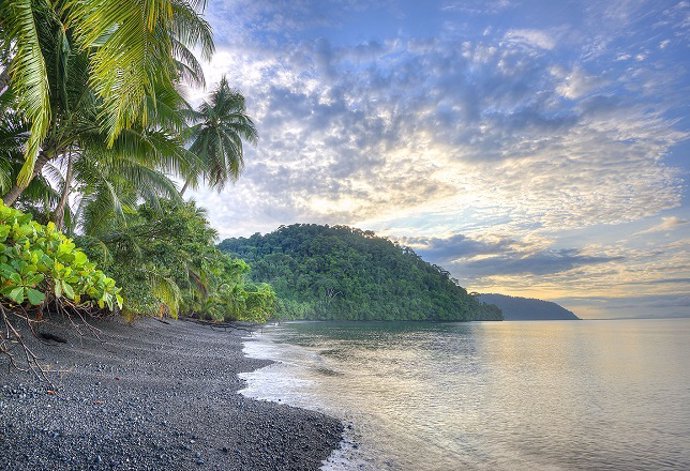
(39, 431)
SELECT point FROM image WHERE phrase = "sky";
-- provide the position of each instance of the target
(532, 148)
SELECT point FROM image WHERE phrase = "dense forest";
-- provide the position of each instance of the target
(527, 309)
(337, 272)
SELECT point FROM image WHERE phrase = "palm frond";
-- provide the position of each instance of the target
(188, 65)
(28, 75)
(6, 177)
(190, 29)
(132, 57)
(166, 291)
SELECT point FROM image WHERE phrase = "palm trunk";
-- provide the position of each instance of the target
(184, 187)
(59, 213)
(13, 195)
(5, 78)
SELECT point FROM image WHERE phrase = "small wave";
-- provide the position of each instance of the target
(289, 381)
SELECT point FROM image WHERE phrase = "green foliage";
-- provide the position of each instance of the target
(259, 302)
(165, 261)
(322, 272)
(38, 264)
(131, 51)
(222, 124)
(96, 92)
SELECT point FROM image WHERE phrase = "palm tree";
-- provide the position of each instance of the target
(222, 124)
(133, 168)
(140, 155)
(128, 53)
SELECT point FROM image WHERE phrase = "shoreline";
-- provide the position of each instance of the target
(152, 396)
(279, 382)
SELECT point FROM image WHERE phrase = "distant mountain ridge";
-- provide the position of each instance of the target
(527, 309)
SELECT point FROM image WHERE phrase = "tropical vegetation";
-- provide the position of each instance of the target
(165, 261)
(95, 134)
(39, 266)
(342, 273)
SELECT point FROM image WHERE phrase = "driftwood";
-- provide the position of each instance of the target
(12, 338)
(244, 326)
(53, 337)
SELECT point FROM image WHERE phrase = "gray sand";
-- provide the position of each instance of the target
(152, 396)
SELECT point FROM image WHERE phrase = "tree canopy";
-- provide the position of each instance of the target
(165, 261)
(322, 272)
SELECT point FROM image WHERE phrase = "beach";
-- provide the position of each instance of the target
(151, 396)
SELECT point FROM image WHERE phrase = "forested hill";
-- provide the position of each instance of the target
(527, 309)
(337, 272)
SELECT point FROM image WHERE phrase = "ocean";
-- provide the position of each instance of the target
(546, 395)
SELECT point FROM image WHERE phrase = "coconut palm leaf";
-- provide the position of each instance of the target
(133, 44)
(28, 72)
(217, 138)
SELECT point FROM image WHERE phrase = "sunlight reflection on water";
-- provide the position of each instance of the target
(510, 395)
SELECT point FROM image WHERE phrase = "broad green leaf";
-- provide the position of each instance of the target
(17, 295)
(6, 270)
(80, 258)
(35, 297)
(67, 288)
(4, 232)
(35, 279)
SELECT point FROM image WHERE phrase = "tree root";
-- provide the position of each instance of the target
(12, 339)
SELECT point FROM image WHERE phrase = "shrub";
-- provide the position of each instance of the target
(39, 264)
(42, 270)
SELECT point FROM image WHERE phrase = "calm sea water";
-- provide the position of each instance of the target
(496, 395)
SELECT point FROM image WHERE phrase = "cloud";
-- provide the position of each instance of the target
(477, 7)
(531, 37)
(471, 258)
(575, 83)
(685, 281)
(667, 224)
(542, 263)
(446, 125)
(481, 145)
(455, 247)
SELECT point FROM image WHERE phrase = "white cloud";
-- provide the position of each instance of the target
(574, 83)
(412, 133)
(531, 37)
(667, 224)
